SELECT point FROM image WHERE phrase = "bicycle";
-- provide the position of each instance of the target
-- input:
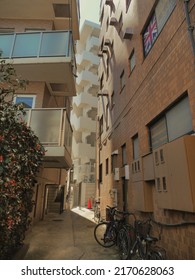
(105, 233)
(136, 242)
(97, 215)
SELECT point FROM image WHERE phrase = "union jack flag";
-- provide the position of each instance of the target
(150, 34)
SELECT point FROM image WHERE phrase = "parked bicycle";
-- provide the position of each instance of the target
(105, 232)
(135, 242)
(97, 215)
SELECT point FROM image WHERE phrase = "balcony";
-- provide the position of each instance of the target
(43, 56)
(85, 78)
(83, 123)
(93, 44)
(53, 128)
(87, 58)
(84, 99)
(63, 13)
(83, 150)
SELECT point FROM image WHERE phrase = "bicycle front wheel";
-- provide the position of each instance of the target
(126, 242)
(157, 253)
(123, 244)
(105, 234)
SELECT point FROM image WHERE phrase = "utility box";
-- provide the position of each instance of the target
(142, 194)
(174, 165)
(148, 167)
(116, 174)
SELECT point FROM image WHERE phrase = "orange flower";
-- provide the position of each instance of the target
(12, 182)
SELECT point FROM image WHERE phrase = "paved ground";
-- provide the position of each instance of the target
(68, 236)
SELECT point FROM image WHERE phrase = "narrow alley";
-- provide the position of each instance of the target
(68, 236)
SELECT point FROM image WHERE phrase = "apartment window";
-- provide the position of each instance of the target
(156, 158)
(120, 23)
(102, 81)
(124, 155)
(174, 123)
(135, 147)
(162, 156)
(122, 80)
(107, 66)
(107, 116)
(100, 173)
(28, 101)
(156, 22)
(107, 166)
(158, 133)
(127, 4)
(158, 184)
(150, 34)
(164, 184)
(131, 61)
(101, 125)
(112, 100)
(107, 24)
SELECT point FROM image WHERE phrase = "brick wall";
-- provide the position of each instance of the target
(156, 82)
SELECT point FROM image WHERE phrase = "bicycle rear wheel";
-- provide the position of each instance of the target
(105, 234)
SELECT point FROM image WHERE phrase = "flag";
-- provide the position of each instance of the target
(150, 34)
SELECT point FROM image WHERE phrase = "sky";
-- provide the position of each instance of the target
(89, 10)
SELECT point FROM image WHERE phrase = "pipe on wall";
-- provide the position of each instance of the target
(189, 26)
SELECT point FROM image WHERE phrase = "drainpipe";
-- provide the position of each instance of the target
(190, 27)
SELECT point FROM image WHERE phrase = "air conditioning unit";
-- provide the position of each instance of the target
(100, 54)
(107, 42)
(105, 49)
(113, 21)
(128, 33)
(109, 2)
(116, 174)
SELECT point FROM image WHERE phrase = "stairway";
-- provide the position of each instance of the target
(52, 206)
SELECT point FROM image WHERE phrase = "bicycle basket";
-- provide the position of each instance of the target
(142, 228)
(109, 214)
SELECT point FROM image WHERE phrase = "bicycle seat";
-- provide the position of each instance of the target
(151, 239)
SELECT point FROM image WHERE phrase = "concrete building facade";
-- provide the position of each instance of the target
(146, 143)
(38, 38)
(84, 114)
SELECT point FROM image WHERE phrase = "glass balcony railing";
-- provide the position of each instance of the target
(51, 126)
(36, 44)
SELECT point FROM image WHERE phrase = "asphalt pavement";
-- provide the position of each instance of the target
(66, 236)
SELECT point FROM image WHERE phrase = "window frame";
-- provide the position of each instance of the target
(100, 173)
(160, 20)
(122, 80)
(107, 166)
(33, 96)
(124, 154)
(131, 56)
(135, 145)
(163, 116)
(101, 125)
(107, 117)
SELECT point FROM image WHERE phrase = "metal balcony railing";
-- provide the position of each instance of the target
(37, 44)
(52, 127)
